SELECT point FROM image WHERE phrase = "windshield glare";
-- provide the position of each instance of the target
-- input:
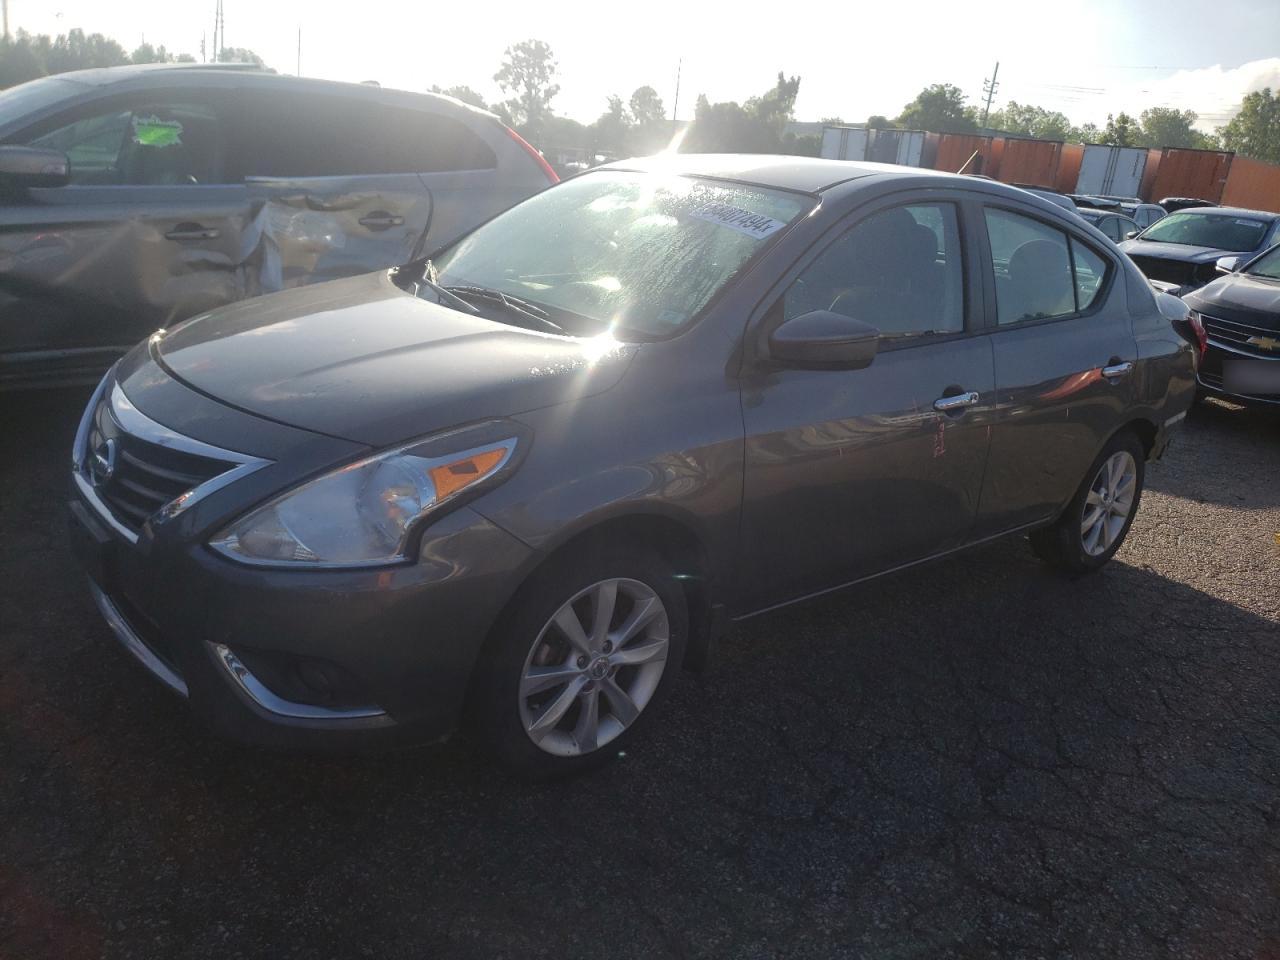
(641, 253)
(1267, 265)
(1220, 231)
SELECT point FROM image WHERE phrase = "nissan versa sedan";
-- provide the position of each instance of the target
(516, 487)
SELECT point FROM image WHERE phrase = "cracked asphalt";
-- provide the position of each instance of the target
(972, 759)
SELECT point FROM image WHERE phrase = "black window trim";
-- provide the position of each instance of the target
(1099, 301)
(767, 315)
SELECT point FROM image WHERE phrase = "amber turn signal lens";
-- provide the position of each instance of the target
(453, 477)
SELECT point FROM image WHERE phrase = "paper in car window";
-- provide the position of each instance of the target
(1248, 223)
(735, 218)
(154, 132)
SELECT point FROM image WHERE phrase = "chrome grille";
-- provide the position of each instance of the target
(1236, 335)
(134, 478)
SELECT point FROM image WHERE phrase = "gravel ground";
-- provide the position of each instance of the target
(972, 759)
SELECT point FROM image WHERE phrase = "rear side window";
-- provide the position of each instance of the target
(294, 135)
(1041, 273)
(899, 270)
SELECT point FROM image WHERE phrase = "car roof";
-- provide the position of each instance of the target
(104, 76)
(804, 174)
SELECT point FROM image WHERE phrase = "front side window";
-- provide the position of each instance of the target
(1222, 231)
(1041, 273)
(151, 144)
(639, 253)
(899, 270)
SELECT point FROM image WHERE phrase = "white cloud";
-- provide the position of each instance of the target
(1212, 92)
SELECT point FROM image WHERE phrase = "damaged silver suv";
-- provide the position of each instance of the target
(134, 197)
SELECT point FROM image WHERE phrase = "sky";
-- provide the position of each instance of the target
(1086, 58)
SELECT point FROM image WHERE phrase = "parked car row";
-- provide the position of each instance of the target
(136, 197)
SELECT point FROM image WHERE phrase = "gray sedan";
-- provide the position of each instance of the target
(518, 486)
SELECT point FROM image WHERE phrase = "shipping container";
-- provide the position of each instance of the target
(1030, 162)
(956, 152)
(905, 147)
(1252, 184)
(1069, 167)
(844, 143)
(1188, 173)
(1107, 171)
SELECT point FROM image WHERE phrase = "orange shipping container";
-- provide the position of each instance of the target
(954, 150)
(1069, 167)
(1032, 162)
(1190, 173)
(1252, 184)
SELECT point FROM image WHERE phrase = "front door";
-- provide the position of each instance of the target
(849, 473)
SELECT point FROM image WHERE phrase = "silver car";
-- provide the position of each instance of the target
(135, 197)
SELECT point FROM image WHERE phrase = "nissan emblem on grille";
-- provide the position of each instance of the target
(102, 464)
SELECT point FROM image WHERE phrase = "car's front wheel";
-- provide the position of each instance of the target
(579, 660)
(1095, 523)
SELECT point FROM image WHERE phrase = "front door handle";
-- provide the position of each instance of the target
(1115, 371)
(955, 403)
(381, 220)
(191, 231)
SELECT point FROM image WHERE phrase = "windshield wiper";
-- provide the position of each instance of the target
(512, 304)
(427, 279)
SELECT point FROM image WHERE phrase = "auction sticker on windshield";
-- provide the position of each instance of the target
(735, 218)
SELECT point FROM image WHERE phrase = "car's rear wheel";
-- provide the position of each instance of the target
(578, 661)
(1095, 523)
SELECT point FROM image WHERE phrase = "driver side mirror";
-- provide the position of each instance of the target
(33, 167)
(1228, 264)
(823, 340)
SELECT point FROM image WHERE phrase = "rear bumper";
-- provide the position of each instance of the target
(394, 646)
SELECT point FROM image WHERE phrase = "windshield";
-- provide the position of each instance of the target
(26, 98)
(1220, 231)
(1267, 265)
(641, 253)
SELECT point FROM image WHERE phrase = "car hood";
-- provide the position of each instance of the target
(1172, 251)
(363, 360)
(1241, 298)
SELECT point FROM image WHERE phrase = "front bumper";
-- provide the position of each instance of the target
(395, 645)
(1210, 376)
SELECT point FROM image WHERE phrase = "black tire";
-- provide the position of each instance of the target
(1062, 544)
(494, 705)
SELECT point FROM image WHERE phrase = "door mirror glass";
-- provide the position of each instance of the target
(1131, 234)
(822, 339)
(33, 167)
(1229, 264)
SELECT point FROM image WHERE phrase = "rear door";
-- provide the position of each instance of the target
(850, 472)
(146, 234)
(1064, 357)
(327, 199)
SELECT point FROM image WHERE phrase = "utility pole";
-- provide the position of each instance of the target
(5, 5)
(989, 87)
(299, 49)
(675, 104)
(219, 41)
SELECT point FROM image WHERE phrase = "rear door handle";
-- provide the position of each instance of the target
(381, 220)
(1117, 370)
(191, 231)
(955, 403)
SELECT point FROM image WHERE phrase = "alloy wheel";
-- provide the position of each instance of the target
(594, 667)
(1110, 499)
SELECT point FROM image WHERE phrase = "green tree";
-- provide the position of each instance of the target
(146, 53)
(610, 132)
(1167, 127)
(1255, 131)
(1030, 121)
(528, 72)
(757, 126)
(184, 58)
(940, 108)
(646, 107)
(239, 55)
(1122, 131)
(1086, 133)
(462, 92)
(26, 56)
(880, 122)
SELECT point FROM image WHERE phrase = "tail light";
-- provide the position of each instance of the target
(552, 176)
(1197, 329)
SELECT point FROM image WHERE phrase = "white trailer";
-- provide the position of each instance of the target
(844, 143)
(1111, 171)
